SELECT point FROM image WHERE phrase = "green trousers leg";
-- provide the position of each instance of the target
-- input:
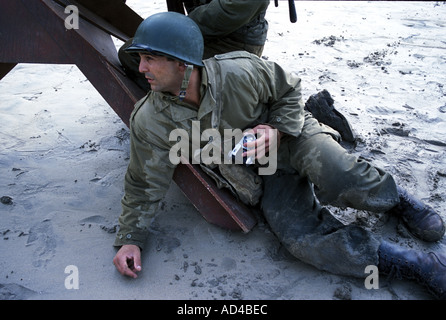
(342, 179)
(325, 171)
(310, 233)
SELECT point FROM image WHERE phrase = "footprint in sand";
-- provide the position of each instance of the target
(42, 237)
(12, 291)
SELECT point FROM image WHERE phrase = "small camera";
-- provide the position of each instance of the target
(239, 148)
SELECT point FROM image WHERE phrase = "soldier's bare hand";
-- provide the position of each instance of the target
(128, 260)
(267, 139)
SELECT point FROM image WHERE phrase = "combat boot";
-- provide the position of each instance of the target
(421, 219)
(321, 106)
(429, 269)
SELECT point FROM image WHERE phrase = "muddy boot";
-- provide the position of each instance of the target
(429, 269)
(321, 107)
(421, 219)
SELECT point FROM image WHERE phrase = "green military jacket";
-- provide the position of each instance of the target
(244, 89)
(234, 24)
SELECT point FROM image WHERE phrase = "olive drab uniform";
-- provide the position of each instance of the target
(309, 154)
(234, 26)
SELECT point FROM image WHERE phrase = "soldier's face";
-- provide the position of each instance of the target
(163, 75)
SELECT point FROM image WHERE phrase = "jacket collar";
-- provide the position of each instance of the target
(182, 111)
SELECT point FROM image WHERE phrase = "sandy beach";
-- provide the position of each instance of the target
(64, 153)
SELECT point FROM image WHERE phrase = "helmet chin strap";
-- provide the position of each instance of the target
(185, 82)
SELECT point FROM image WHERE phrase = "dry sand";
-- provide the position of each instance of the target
(63, 155)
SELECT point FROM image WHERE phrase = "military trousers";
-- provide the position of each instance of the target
(315, 170)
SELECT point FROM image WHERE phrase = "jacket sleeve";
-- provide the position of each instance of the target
(146, 182)
(281, 91)
(220, 18)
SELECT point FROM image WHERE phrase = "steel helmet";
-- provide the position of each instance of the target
(170, 34)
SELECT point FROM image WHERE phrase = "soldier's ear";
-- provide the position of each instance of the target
(182, 65)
